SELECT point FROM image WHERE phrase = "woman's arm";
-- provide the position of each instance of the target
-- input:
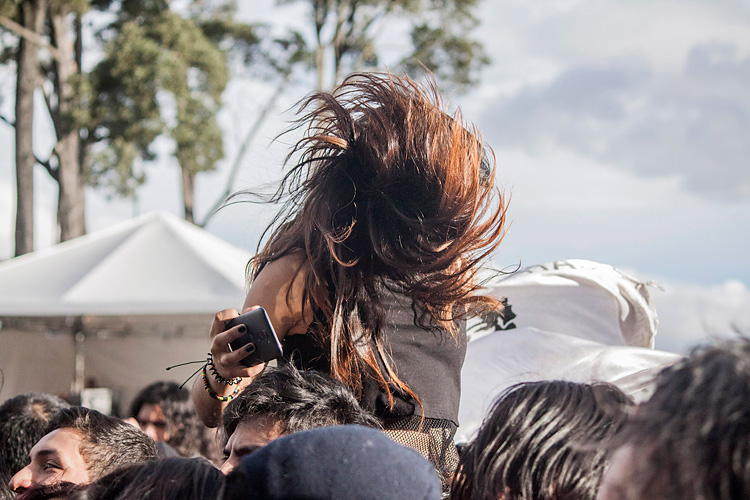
(279, 289)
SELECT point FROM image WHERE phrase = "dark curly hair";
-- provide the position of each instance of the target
(187, 435)
(692, 437)
(542, 441)
(297, 401)
(386, 191)
(23, 422)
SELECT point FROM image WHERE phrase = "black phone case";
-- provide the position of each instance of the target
(261, 333)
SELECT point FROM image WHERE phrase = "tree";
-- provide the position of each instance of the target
(48, 25)
(163, 73)
(30, 15)
(347, 34)
(272, 58)
(63, 104)
(157, 64)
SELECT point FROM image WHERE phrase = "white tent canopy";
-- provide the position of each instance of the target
(142, 291)
(155, 264)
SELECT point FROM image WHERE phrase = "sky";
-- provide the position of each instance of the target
(621, 131)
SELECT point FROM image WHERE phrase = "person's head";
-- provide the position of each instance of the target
(282, 401)
(691, 439)
(80, 446)
(542, 441)
(165, 412)
(386, 190)
(167, 479)
(23, 422)
(349, 461)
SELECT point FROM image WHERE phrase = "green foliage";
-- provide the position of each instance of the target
(8, 39)
(8, 50)
(197, 136)
(124, 110)
(71, 6)
(141, 11)
(9, 8)
(156, 66)
(251, 45)
(185, 48)
(440, 37)
(109, 173)
(450, 57)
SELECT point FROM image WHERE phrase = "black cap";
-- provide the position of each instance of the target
(344, 462)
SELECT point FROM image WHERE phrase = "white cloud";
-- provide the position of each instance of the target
(577, 31)
(559, 180)
(691, 314)
(694, 124)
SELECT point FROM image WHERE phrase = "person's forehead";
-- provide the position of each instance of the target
(64, 443)
(254, 432)
(153, 412)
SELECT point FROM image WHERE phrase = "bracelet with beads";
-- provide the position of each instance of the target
(213, 393)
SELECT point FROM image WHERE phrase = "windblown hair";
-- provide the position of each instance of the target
(296, 401)
(187, 435)
(385, 191)
(542, 441)
(166, 479)
(692, 437)
(23, 422)
(108, 442)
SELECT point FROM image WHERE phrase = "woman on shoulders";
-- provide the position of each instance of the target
(370, 266)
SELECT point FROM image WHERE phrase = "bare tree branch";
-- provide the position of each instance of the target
(6, 120)
(53, 112)
(47, 165)
(47, 99)
(29, 35)
(251, 133)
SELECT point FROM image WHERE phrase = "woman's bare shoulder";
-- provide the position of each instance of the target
(279, 288)
(284, 269)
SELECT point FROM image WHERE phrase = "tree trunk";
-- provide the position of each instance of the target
(319, 63)
(188, 193)
(71, 179)
(32, 17)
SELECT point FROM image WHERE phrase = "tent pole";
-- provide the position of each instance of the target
(80, 359)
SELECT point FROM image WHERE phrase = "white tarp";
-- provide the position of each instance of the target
(571, 320)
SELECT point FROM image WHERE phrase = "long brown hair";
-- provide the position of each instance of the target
(385, 190)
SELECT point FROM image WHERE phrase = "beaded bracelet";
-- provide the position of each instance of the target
(215, 373)
(213, 393)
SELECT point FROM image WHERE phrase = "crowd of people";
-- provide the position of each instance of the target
(367, 277)
(297, 435)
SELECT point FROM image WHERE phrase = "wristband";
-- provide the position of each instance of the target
(215, 373)
(214, 394)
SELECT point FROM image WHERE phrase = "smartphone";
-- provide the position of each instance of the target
(260, 335)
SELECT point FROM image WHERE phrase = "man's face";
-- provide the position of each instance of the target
(247, 438)
(153, 423)
(55, 459)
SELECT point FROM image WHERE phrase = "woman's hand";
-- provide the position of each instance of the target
(279, 288)
(227, 365)
(226, 361)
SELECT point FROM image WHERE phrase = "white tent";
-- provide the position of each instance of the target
(142, 293)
